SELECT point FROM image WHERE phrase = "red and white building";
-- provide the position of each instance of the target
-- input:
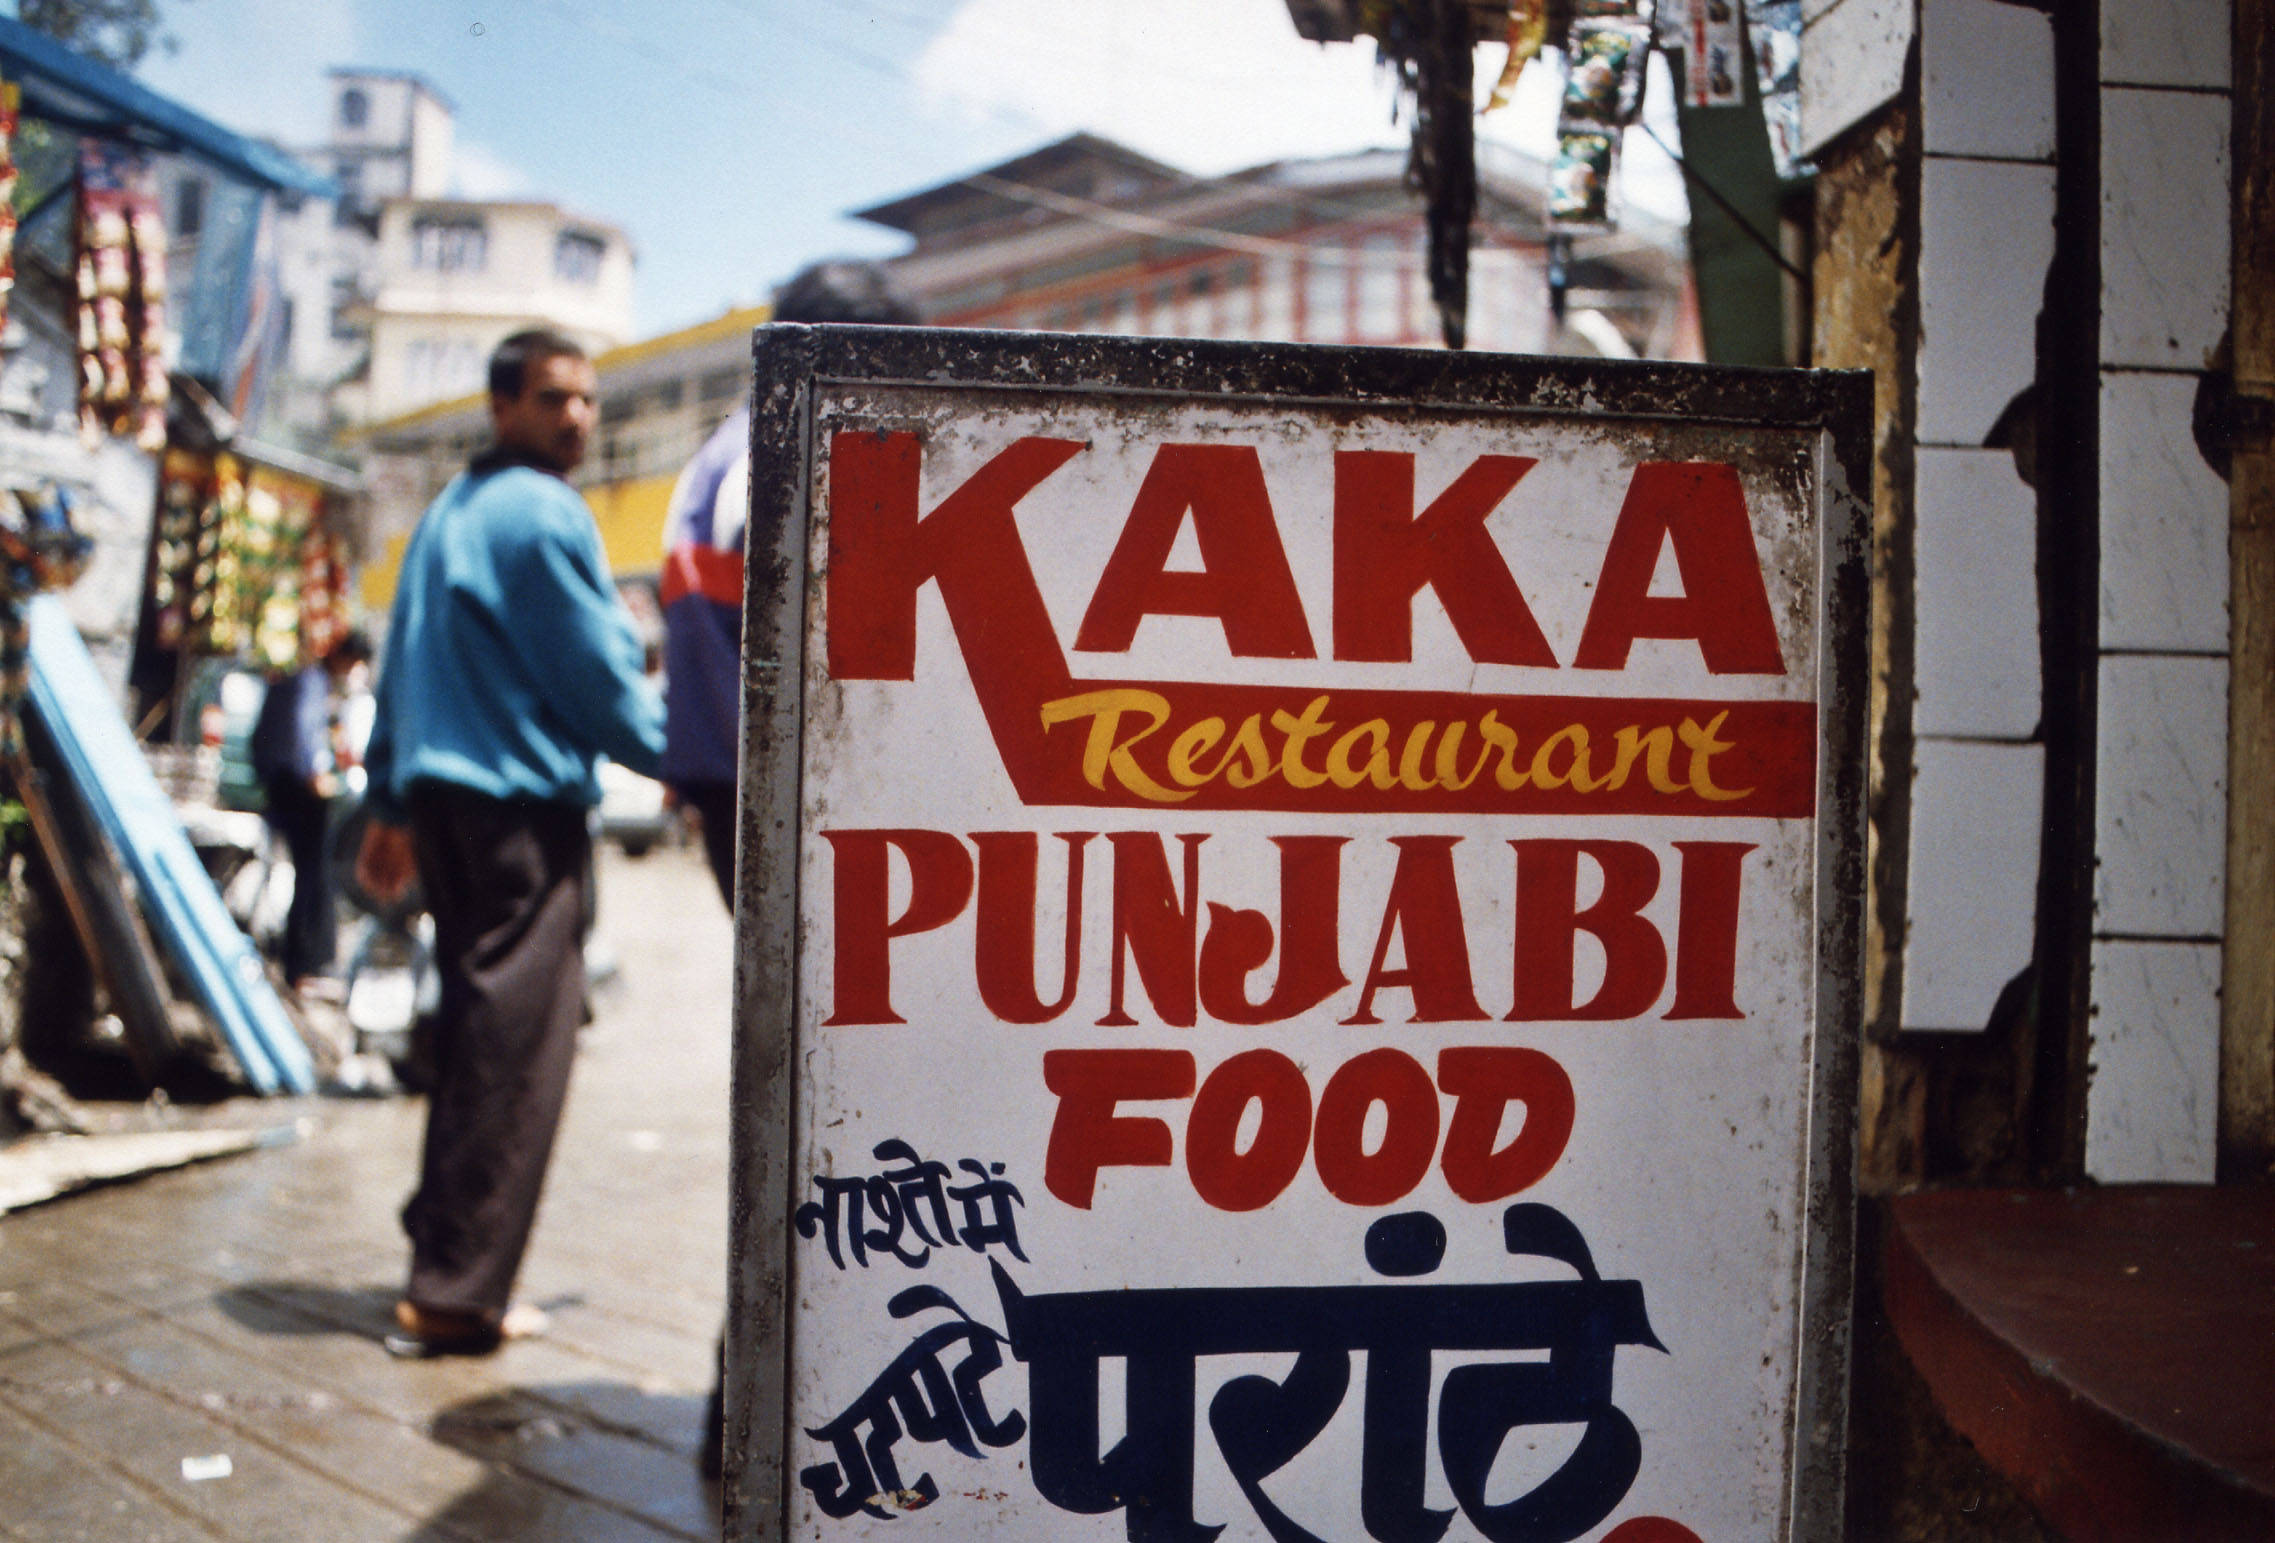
(1085, 235)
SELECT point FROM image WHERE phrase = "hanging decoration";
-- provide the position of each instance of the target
(11, 104)
(1773, 29)
(247, 565)
(1712, 41)
(1606, 47)
(121, 271)
(40, 549)
(1527, 32)
(1605, 56)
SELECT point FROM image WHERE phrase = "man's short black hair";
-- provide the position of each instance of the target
(510, 360)
(352, 647)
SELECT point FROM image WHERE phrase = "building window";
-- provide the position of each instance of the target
(346, 327)
(1382, 290)
(348, 178)
(355, 108)
(1326, 289)
(719, 385)
(452, 244)
(668, 396)
(577, 255)
(189, 207)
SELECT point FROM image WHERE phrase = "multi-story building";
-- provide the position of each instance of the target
(454, 276)
(397, 290)
(1087, 235)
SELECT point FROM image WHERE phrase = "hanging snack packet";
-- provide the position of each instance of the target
(1604, 83)
(1579, 179)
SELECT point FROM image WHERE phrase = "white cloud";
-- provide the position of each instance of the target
(477, 171)
(1215, 85)
(1207, 85)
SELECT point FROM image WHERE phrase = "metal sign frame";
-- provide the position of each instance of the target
(795, 365)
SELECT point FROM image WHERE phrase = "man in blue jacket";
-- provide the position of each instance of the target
(511, 667)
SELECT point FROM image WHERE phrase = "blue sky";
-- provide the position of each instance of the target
(730, 137)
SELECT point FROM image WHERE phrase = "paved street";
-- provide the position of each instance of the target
(235, 1308)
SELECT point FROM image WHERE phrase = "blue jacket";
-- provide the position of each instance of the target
(511, 665)
(292, 736)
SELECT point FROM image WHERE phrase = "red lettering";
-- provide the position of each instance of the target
(1550, 920)
(1698, 507)
(1240, 942)
(1395, 1080)
(1384, 555)
(1086, 1133)
(940, 882)
(1244, 582)
(1425, 910)
(881, 554)
(1706, 935)
(1484, 1080)
(1224, 1176)
(1004, 942)
(1160, 932)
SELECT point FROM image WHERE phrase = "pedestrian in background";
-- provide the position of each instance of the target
(291, 752)
(702, 596)
(511, 669)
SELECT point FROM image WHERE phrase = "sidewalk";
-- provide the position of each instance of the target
(234, 1309)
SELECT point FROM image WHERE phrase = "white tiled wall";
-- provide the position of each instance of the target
(2152, 1111)
(2164, 226)
(1986, 235)
(2165, 42)
(2160, 789)
(1987, 80)
(2164, 520)
(2160, 796)
(1852, 62)
(1974, 878)
(1975, 669)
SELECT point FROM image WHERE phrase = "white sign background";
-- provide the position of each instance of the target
(1686, 1165)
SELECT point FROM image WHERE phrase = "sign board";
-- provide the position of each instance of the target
(1298, 944)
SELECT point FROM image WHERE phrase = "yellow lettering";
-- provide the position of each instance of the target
(1248, 742)
(1195, 742)
(1300, 732)
(1656, 746)
(1577, 773)
(1704, 746)
(1449, 751)
(1103, 751)
(1343, 774)
(1499, 736)
(1410, 774)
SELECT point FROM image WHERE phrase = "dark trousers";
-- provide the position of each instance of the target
(506, 883)
(311, 928)
(714, 806)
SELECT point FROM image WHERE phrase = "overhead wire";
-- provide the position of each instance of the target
(1072, 206)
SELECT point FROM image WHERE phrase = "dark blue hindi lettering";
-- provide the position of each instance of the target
(917, 1398)
(904, 1211)
(1260, 1425)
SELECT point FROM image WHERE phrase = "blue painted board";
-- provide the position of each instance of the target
(184, 909)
